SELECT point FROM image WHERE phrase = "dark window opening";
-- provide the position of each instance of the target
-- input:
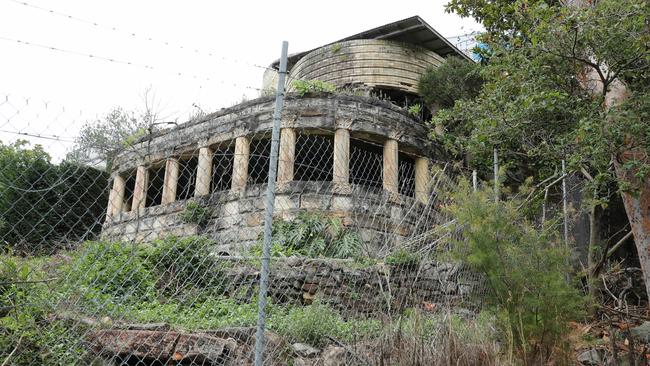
(366, 163)
(314, 158)
(186, 178)
(403, 99)
(258, 163)
(129, 188)
(222, 164)
(155, 186)
(406, 175)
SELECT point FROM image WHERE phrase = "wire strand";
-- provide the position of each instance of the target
(137, 35)
(117, 61)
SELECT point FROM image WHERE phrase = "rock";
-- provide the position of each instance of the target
(299, 361)
(641, 332)
(143, 344)
(305, 350)
(334, 356)
(590, 357)
(202, 349)
(161, 346)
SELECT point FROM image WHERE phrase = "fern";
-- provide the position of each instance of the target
(313, 234)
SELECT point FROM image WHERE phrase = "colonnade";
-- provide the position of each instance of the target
(287, 155)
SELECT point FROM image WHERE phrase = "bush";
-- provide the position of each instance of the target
(312, 234)
(525, 267)
(195, 214)
(112, 271)
(453, 80)
(304, 87)
(183, 265)
(43, 204)
(314, 324)
(403, 257)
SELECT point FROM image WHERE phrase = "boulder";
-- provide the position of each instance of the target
(305, 350)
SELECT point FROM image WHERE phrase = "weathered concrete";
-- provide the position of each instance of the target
(236, 217)
(204, 172)
(240, 167)
(287, 155)
(341, 156)
(368, 118)
(116, 197)
(236, 214)
(140, 190)
(390, 167)
(171, 181)
(422, 178)
(371, 62)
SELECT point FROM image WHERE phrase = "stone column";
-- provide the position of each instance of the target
(171, 181)
(287, 155)
(391, 180)
(422, 177)
(116, 197)
(240, 164)
(341, 156)
(204, 172)
(140, 190)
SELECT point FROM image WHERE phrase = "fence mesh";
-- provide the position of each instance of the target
(155, 259)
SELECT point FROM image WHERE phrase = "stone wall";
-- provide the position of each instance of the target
(357, 290)
(236, 218)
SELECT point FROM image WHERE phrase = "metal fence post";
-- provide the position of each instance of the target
(565, 198)
(496, 175)
(270, 201)
(475, 180)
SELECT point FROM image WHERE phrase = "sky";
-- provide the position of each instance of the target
(65, 63)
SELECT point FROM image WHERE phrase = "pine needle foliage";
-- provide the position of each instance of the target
(525, 267)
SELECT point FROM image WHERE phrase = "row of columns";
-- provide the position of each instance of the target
(287, 156)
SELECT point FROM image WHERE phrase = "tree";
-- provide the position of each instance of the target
(524, 267)
(565, 82)
(44, 206)
(100, 141)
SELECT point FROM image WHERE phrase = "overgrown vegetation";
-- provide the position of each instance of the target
(194, 213)
(526, 269)
(304, 87)
(312, 234)
(46, 206)
(561, 82)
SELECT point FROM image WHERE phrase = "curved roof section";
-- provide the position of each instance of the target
(413, 30)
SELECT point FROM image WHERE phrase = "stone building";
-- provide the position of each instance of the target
(357, 154)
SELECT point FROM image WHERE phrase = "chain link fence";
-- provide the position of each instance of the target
(156, 259)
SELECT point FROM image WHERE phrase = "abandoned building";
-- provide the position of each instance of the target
(357, 154)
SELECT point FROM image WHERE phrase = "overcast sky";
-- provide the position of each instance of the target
(217, 47)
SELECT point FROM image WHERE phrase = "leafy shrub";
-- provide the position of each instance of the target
(403, 257)
(313, 325)
(304, 87)
(525, 268)
(113, 270)
(44, 204)
(25, 300)
(182, 265)
(195, 214)
(415, 110)
(312, 234)
(455, 79)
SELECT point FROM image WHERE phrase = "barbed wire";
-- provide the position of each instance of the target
(123, 62)
(137, 35)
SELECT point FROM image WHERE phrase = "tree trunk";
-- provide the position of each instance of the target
(593, 240)
(637, 207)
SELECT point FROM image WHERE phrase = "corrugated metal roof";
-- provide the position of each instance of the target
(413, 30)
